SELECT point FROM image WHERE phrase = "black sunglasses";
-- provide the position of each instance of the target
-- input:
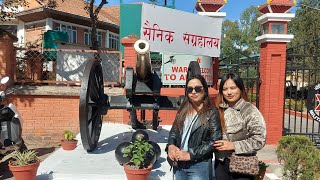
(197, 89)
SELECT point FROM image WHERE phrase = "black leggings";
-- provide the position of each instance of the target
(223, 173)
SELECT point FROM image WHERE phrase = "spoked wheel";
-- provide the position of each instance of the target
(193, 69)
(91, 105)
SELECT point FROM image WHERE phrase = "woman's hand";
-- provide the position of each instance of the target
(172, 149)
(183, 156)
(223, 145)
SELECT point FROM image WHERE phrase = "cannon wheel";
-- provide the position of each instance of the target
(193, 69)
(91, 105)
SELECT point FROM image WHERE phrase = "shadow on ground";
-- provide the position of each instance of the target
(109, 144)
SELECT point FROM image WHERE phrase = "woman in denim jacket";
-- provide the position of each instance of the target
(244, 129)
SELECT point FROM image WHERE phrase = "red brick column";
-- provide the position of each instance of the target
(130, 55)
(7, 58)
(273, 46)
(215, 72)
(272, 75)
(130, 60)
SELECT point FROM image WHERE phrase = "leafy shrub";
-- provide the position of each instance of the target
(300, 158)
(138, 151)
(296, 105)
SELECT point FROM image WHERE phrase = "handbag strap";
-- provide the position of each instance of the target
(191, 124)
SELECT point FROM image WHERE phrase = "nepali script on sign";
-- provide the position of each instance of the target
(172, 31)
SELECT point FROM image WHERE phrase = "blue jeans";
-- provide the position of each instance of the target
(197, 171)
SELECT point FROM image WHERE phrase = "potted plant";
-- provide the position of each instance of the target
(69, 142)
(262, 170)
(24, 165)
(141, 156)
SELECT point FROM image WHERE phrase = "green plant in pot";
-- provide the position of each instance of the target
(262, 170)
(69, 142)
(24, 165)
(141, 161)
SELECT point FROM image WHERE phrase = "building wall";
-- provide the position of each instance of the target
(45, 117)
(34, 35)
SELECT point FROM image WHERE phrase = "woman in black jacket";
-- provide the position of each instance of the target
(196, 127)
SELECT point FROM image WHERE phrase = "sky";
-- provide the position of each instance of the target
(233, 8)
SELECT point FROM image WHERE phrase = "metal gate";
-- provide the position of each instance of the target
(302, 75)
(248, 69)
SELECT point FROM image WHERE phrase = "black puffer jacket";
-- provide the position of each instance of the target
(202, 137)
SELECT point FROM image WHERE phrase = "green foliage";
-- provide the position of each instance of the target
(68, 135)
(306, 25)
(300, 158)
(23, 158)
(252, 96)
(262, 169)
(296, 105)
(262, 166)
(240, 35)
(8, 8)
(138, 152)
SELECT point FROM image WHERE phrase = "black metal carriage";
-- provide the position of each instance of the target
(142, 92)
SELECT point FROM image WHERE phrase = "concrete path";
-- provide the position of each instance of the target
(101, 164)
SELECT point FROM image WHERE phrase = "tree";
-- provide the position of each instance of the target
(240, 36)
(231, 38)
(94, 12)
(8, 8)
(306, 25)
(250, 29)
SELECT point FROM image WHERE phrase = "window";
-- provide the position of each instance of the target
(33, 26)
(87, 37)
(265, 28)
(71, 30)
(277, 28)
(114, 42)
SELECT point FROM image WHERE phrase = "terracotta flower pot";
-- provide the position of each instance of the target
(137, 174)
(27, 172)
(68, 145)
(261, 175)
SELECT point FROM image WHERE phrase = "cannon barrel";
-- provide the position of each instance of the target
(143, 66)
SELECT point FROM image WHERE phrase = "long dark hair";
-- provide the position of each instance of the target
(187, 106)
(220, 99)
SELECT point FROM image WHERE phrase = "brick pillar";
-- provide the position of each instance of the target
(130, 55)
(130, 60)
(7, 57)
(272, 75)
(273, 65)
(215, 72)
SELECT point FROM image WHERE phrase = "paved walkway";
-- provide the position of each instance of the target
(101, 163)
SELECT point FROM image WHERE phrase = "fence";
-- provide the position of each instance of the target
(65, 66)
(302, 75)
(247, 67)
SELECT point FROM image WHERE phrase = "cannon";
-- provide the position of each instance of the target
(142, 92)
